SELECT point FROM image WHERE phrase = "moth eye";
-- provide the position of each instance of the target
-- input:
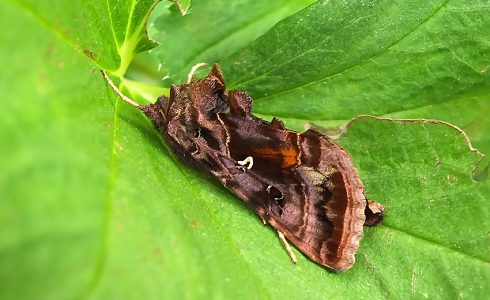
(278, 198)
(274, 192)
(221, 103)
(197, 132)
(194, 148)
(192, 130)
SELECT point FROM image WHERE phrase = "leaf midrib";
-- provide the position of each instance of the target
(108, 204)
(434, 243)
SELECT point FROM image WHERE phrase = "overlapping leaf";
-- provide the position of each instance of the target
(378, 57)
(213, 30)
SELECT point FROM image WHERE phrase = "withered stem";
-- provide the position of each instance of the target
(118, 92)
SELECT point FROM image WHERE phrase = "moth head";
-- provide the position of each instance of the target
(177, 117)
(209, 95)
(170, 108)
(190, 113)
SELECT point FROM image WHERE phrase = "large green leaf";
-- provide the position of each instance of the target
(92, 205)
(213, 30)
(348, 58)
(56, 135)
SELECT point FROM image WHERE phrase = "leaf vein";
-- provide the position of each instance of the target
(220, 40)
(105, 228)
(356, 66)
(436, 244)
(112, 24)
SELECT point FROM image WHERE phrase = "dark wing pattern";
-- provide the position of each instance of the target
(303, 184)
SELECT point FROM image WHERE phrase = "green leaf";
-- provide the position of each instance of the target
(56, 134)
(109, 32)
(213, 30)
(92, 205)
(377, 57)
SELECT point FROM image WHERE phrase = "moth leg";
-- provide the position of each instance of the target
(288, 248)
(263, 221)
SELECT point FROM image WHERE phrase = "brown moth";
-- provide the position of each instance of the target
(303, 184)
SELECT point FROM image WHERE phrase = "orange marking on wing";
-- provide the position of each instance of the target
(289, 155)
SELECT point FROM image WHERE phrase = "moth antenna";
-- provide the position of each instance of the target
(118, 92)
(193, 70)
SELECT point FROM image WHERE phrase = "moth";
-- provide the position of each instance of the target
(302, 184)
